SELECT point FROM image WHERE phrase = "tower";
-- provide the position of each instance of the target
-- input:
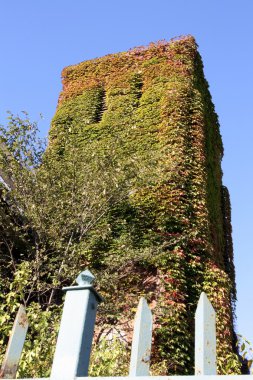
(169, 237)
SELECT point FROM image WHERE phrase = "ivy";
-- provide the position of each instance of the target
(138, 131)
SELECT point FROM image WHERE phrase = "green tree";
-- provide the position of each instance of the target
(53, 206)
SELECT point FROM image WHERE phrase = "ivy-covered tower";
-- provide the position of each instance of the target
(170, 237)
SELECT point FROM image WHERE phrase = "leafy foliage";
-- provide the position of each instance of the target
(54, 225)
(109, 358)
(130, 186)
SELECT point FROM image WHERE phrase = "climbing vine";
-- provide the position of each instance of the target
(148, 113)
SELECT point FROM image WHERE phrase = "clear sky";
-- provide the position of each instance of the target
(40, 37)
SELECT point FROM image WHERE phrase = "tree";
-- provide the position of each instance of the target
(53, 222)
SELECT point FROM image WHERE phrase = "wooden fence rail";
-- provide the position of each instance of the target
(73, 347)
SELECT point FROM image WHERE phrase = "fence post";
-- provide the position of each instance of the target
(142, 339)
(205, 338)
(15, 345)
(72, 354)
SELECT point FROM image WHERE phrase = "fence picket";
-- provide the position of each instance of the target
(205, 338)
(15, 345)
(142, 339)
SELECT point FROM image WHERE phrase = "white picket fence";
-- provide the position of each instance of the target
(72, 353)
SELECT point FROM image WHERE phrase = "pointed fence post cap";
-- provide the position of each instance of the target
(204, 303)
(85, 278)
(84, 281)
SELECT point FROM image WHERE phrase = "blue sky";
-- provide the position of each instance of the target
(39, 38)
